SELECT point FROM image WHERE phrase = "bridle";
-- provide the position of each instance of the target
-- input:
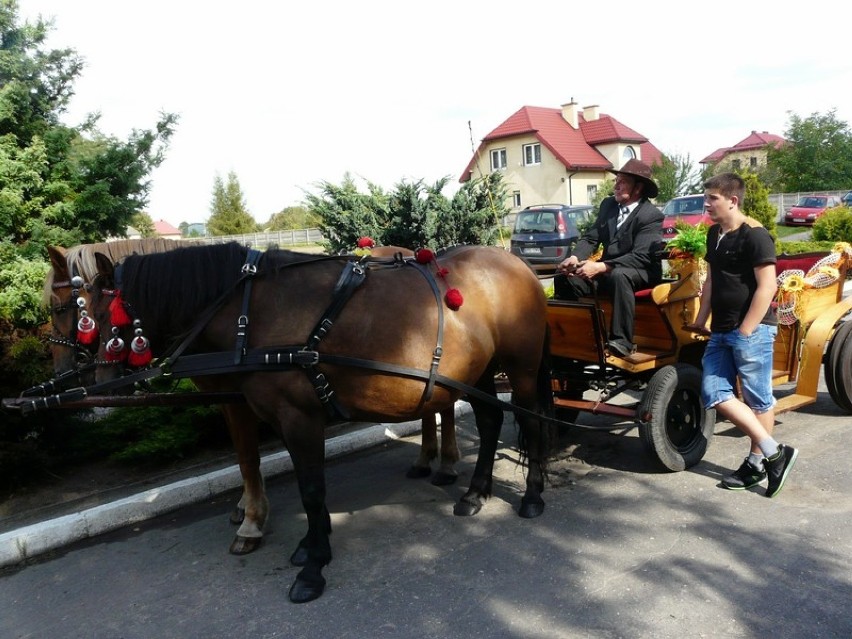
(84, 351)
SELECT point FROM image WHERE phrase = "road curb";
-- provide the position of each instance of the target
(17, 546)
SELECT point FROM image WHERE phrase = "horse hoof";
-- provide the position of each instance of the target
(303, 591)
(237, 516)
(418, 472)
(444, 479)
(466, 509)
(244, 545)
(299, 557)
(531, 509)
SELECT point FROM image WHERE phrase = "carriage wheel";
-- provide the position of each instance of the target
(838, 367)
(678, 429)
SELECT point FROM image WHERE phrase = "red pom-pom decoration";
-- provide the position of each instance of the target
(366, 242)
(424, 256)
(87, 330)
(118, 312)
(454, 299)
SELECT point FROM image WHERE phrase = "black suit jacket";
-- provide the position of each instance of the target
(634, 245)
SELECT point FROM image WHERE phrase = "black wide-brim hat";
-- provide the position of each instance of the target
(640, 171)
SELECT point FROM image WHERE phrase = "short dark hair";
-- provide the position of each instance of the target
(728, 184)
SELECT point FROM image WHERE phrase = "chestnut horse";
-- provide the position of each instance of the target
(449, 450)
(368, 356)
(66, 300)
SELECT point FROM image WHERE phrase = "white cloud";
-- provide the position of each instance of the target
(289, 94)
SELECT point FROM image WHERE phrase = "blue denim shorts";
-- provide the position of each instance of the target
(730, 354)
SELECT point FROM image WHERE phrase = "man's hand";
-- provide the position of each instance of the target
(568, 265)
(588, 270)
(698, 329)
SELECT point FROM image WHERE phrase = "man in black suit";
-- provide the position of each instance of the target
(630, 229)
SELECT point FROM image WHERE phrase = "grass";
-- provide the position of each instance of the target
(785, 231)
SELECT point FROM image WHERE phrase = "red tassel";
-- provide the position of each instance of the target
(140, 351)
(454, 299)
(87, 330)
(366, 242)
(424, 256)
(442, 272)
(118, 313)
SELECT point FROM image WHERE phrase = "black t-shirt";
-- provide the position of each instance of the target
(732, 260)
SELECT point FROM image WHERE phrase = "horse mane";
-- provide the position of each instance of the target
(172, 289)
(81, 258)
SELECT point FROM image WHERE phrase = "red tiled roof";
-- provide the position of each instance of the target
(758, 141)
(575, 148)
(754, 141)
(161, 227)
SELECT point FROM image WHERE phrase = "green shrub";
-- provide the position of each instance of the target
(30, 362)
(835, 225)
(21, 284)
(149, 434)
(803, 246)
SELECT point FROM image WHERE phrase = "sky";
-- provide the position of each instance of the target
(289, 95)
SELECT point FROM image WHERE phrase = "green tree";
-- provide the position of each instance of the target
(143, 223)
(412, 215)
(346, 214)
(228, 213)
(816, 157)
(757, 204)
(292, 217)
(61, 184)
(676, 175)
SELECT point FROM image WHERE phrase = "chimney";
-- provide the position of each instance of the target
(590, 113)
(569, 113)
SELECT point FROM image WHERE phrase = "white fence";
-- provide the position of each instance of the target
(282, 239)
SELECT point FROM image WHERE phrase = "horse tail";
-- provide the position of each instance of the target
(548, 431)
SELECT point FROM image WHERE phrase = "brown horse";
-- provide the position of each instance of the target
(67, 300)
(449, 449)
(369, 357)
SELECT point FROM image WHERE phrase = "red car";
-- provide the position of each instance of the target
(686, 208)
(809, 208)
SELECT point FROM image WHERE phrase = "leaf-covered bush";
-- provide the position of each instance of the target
(835, 225)
(21, 283)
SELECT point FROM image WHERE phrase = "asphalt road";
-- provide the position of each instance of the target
(623, 550)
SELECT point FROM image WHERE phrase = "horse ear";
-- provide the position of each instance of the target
(57, 259)
(106, 270)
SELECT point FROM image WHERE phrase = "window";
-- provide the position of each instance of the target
(498, 159)
(591, 192)
(629, 154)
(735, 165)
(753, 162)
(516, 197)
(532, 154)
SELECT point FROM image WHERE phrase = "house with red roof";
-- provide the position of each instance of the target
(165, 230)
(749, 153)
(561, 155)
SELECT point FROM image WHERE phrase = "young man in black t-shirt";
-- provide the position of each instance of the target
(738, 291)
